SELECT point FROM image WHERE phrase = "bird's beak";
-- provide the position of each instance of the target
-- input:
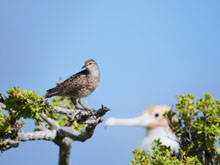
(142, 121)
(83, 67)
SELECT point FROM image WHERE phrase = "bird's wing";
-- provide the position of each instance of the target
(75, 82)
(70, 85)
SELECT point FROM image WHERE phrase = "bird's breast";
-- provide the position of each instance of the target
(89, 87)
(166, 138)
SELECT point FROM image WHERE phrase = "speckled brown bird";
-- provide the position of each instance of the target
(78, 85)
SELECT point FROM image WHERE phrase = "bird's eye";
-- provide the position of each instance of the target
(156, 115)
(90, 63)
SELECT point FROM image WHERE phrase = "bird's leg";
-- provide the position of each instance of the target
(74, 101)
(79, 101)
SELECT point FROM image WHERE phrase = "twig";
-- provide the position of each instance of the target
(2, 97)
(42, 126)
(3, 106)
(50, 121)
(102, 111)
(73, 113)
(78, 113)
(75, 135)
(7, 144)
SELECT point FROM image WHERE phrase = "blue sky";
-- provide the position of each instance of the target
(148, 52)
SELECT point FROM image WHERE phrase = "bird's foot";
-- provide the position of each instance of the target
(77, 102)
(84, 108)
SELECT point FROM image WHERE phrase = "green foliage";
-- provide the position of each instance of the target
(198, 130)
(7, 122)
(4, 125)
(19, 104)
(63, 102)
(22, 104)
(162, 155)
(78, 126)
(26, 104)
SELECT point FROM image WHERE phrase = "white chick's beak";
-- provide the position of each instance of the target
(142, 121)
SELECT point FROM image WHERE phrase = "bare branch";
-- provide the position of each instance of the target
(50, 121)
(2, 97)
(37, 135)
(3, 106)
(27, 136)
(86, 133)
(71, 113)
(42, 126)
(68, 132)
(78, 113)
(102, 111)
(7, 144)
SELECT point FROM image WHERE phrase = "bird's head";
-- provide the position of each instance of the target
(90, 64)
(154, 117)
(151, 118)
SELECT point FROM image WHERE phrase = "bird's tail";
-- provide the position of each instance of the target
(51, 92)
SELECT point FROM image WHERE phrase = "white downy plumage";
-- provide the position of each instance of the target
(157, 127)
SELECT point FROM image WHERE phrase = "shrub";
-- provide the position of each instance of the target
(198, 130)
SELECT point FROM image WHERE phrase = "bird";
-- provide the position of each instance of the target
(157, 127)
(79, 85)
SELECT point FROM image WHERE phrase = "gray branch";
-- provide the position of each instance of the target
(71, 113)
(2, 105)
(79, 113)
(49, 135)
(75, 135)
(53, 124)
(37, 135)
(41, 126)
(102, 111)
(2, 97)
(7, 144)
